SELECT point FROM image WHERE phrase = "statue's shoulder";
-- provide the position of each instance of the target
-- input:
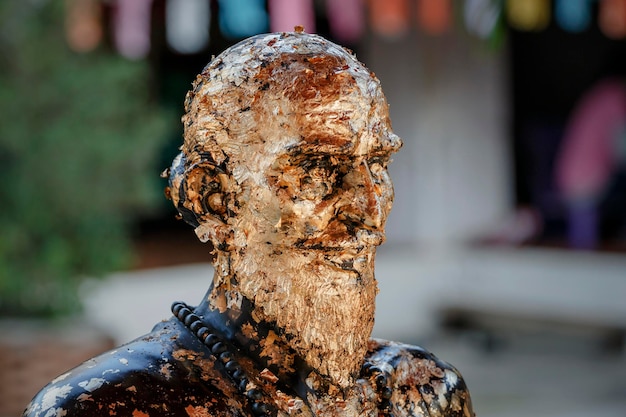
(162, 373)
(420, 383)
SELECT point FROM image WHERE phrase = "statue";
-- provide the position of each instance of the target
(284, 171)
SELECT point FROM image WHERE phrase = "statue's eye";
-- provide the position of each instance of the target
(378, 163)
(317, 182)
(211, 186)
(309, 177)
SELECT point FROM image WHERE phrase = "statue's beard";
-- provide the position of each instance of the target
(325, 312)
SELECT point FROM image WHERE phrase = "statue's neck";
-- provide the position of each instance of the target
(257, 339)
(305, 313)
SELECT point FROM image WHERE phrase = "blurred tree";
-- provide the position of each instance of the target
(79, 138)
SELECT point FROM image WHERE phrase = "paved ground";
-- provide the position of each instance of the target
(522, 382)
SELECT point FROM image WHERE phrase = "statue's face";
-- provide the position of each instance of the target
(304, 138)
(335, 194)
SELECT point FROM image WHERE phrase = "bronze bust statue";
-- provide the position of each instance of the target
(283, 170)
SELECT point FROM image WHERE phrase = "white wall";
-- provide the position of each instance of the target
(449, 103)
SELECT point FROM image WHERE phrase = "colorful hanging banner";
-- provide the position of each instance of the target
(83, 24)
(573, 15)
(187, 24)
(434, 16)
(286, 14)
(131, 27)
(346, 19)
(528, 15)
(242, 18)
(389, 18)
(481, 17)
(612, 18)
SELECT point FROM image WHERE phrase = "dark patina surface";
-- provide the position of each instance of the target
(174, 371)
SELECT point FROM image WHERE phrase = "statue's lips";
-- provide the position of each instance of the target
(370, 237)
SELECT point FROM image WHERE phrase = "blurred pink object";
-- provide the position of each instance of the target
(612, 18)
(589, 152)
(390, 18)
(285, 14)
(521, 226)
(131, 26)
(346, 19)
(589, 158)
(434, 16)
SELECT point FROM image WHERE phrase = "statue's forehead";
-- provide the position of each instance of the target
(292, 93)
(352, 147)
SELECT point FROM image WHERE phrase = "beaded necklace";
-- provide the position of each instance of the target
(220, 349)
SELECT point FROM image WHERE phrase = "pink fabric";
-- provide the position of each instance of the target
(589, 152)
(346, 19)
(131, 25)
(285, 14)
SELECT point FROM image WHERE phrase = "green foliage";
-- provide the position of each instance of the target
(79, 138)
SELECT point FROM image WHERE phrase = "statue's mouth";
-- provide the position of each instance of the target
(358, 240)
(370, 237)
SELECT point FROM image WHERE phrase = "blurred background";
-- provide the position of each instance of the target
(506, 248)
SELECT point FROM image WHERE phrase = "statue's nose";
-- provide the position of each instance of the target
(367, 206)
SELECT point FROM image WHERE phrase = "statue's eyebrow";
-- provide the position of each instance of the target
(208, 164)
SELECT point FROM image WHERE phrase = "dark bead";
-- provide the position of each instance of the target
(243, 384)
(381, 380)
(232, 366)
(367, 366)
(211, 339)
(238, 374)
(219, 347)
(195, 325)
(183, 313)
(202, 332)
(226, 357)
(190, 319)
(254, 394)
(386, 393)
(176, 306)
(259, 409)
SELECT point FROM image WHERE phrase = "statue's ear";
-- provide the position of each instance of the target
(202, 194)
(198, 192)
